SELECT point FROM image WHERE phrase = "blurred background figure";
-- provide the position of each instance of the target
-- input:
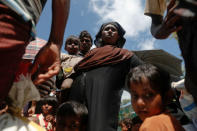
(187, 104)
(72, 116)
(46, 112)
(126, 124)
(18, 20)
(181, 17)
(86, 42)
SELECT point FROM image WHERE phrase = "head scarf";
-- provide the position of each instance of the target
(105, 54)
(121, 32)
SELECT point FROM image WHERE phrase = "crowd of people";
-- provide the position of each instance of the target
(81, 90)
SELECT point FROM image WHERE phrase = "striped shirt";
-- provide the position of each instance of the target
(28, 10)
(33, 48)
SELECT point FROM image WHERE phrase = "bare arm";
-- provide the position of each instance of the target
(47, 62)
(162, 28)
(60, 10)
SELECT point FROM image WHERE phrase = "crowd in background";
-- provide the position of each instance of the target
(81, 90)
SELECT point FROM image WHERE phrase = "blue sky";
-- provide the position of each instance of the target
(90, 14)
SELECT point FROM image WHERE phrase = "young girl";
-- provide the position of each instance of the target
(47, 115)
(149, 87)
(68, 61)
(126, 124)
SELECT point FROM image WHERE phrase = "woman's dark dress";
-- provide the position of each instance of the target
(100, 89)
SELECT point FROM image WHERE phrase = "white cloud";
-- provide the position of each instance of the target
(147, 44)
(129, 13)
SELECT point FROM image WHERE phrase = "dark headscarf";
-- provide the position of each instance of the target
(121, 32)
(105, 54)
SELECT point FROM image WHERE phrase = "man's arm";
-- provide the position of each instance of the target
(162, 28)
(60, 10)
(47, 62)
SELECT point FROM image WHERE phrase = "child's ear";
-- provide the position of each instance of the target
(168, 96)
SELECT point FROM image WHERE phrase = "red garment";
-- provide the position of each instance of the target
(23, 68)
(102, 56)
(14, 36)
(43, 123)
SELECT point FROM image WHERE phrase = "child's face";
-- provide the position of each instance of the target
(72, 47)
(47, 109)
(69, 124)
(146, 101)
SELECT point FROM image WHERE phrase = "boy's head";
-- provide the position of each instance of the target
(48, 105)
(126, 124)
(72, 45)
(72, 116)
(86, 42)
(149, 86)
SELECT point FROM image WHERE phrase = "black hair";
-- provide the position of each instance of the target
(73, 108)
(50, 100)
(72, 38)
(136, 120)
(158, 78)
(85, 33)
(120, 42)
(127, 122)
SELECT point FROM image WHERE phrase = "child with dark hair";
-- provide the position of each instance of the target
(150, 87)
(48, 110)
(126, 124)
(68, 61)
(86, 42)
(72, 116)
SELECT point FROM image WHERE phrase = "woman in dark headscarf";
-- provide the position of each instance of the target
(101, 77)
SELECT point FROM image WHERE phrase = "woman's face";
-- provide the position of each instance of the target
(110, 34)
